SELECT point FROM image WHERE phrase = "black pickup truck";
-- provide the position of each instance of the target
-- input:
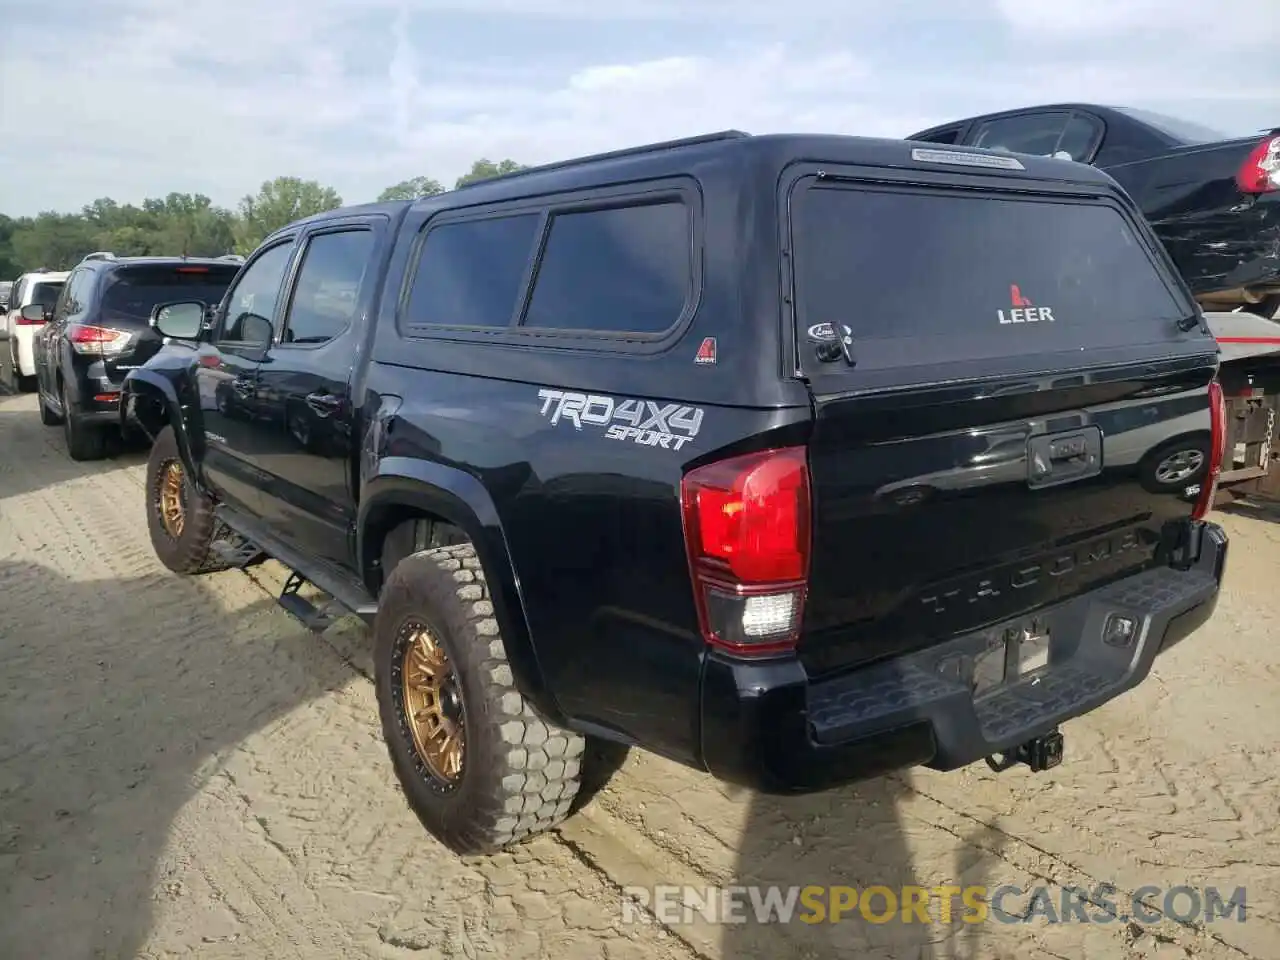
(1213, 200)
(796, 459)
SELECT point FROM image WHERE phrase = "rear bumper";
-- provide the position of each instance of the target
(765, 725)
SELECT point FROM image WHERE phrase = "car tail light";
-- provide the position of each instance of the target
(22, 321)
(1260, 173)
(746, 527)
(99, 340)
(1217, 451)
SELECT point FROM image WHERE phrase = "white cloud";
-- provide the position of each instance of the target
(141, 97)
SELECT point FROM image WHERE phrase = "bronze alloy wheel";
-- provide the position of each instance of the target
(432, 703)
(171, 498)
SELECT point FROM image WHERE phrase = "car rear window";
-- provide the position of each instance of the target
(928, 276)
(46, 294)
(131, 293)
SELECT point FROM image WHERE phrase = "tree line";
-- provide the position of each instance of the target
(188, 223)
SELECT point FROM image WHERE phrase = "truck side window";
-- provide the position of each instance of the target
(251, 303)
(470, 272)
(326, 294)
(621, 270)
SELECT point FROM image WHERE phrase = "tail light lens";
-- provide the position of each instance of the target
(1217, 451)
(97, 340)
(1260, 172)
(746, 526)
(21, 321)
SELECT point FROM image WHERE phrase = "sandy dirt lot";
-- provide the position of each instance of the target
(184, 770)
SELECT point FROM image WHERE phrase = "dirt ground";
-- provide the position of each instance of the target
(184, 770)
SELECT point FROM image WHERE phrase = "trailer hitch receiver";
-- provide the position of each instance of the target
(1039, 753)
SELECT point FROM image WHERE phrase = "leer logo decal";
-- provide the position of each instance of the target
(645, 422)
(1023, 311)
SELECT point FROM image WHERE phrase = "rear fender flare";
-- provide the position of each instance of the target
(147, 383)
(461, 500)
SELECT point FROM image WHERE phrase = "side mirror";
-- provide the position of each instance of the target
(256, 329)
(183, 320)
(33, 312)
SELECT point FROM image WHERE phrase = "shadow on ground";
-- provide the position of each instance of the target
(23, 433)
(865, 849)
(118, 698)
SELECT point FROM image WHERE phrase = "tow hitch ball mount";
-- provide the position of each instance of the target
(1039, 753)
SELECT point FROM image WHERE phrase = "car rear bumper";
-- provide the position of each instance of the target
(765, 725)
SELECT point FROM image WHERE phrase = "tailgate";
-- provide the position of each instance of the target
(130, 295)
(1022, 418)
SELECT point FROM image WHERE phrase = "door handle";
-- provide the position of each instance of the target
(324, 404)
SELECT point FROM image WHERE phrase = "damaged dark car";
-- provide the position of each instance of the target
(1213, 199)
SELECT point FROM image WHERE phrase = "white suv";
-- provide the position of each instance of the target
(42, 287)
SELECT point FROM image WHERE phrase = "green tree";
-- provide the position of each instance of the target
(9, 265)
(279, 202)
(485, 169)
(187, 223)
(411, 189)
(54, 240)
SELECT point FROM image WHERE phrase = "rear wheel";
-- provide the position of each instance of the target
(16, 381)
(84, 441)
(179, 517)
(480, 769)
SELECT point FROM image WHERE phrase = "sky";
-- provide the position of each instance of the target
(136, 98)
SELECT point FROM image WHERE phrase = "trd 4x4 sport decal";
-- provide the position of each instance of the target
(646, 422)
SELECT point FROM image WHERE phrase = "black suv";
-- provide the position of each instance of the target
(100, 329)
(795, 459)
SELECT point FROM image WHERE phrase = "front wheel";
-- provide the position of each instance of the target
(179, 517)
(47, 416)
(480, 769)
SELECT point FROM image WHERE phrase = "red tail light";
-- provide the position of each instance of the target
(1217, 451)
(1260, 172)
(21, 321)
(190, 269)
(746, 527)
(104, 340)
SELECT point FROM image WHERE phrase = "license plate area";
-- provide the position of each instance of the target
(1013, 653)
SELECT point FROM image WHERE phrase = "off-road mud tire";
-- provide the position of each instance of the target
(520, 774)
(189, 553)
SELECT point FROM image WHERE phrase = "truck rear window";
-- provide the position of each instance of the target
(131, 293)
(929, 276)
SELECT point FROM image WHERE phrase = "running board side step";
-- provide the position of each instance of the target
(234, 550)
(342, 591)
(315, 619)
